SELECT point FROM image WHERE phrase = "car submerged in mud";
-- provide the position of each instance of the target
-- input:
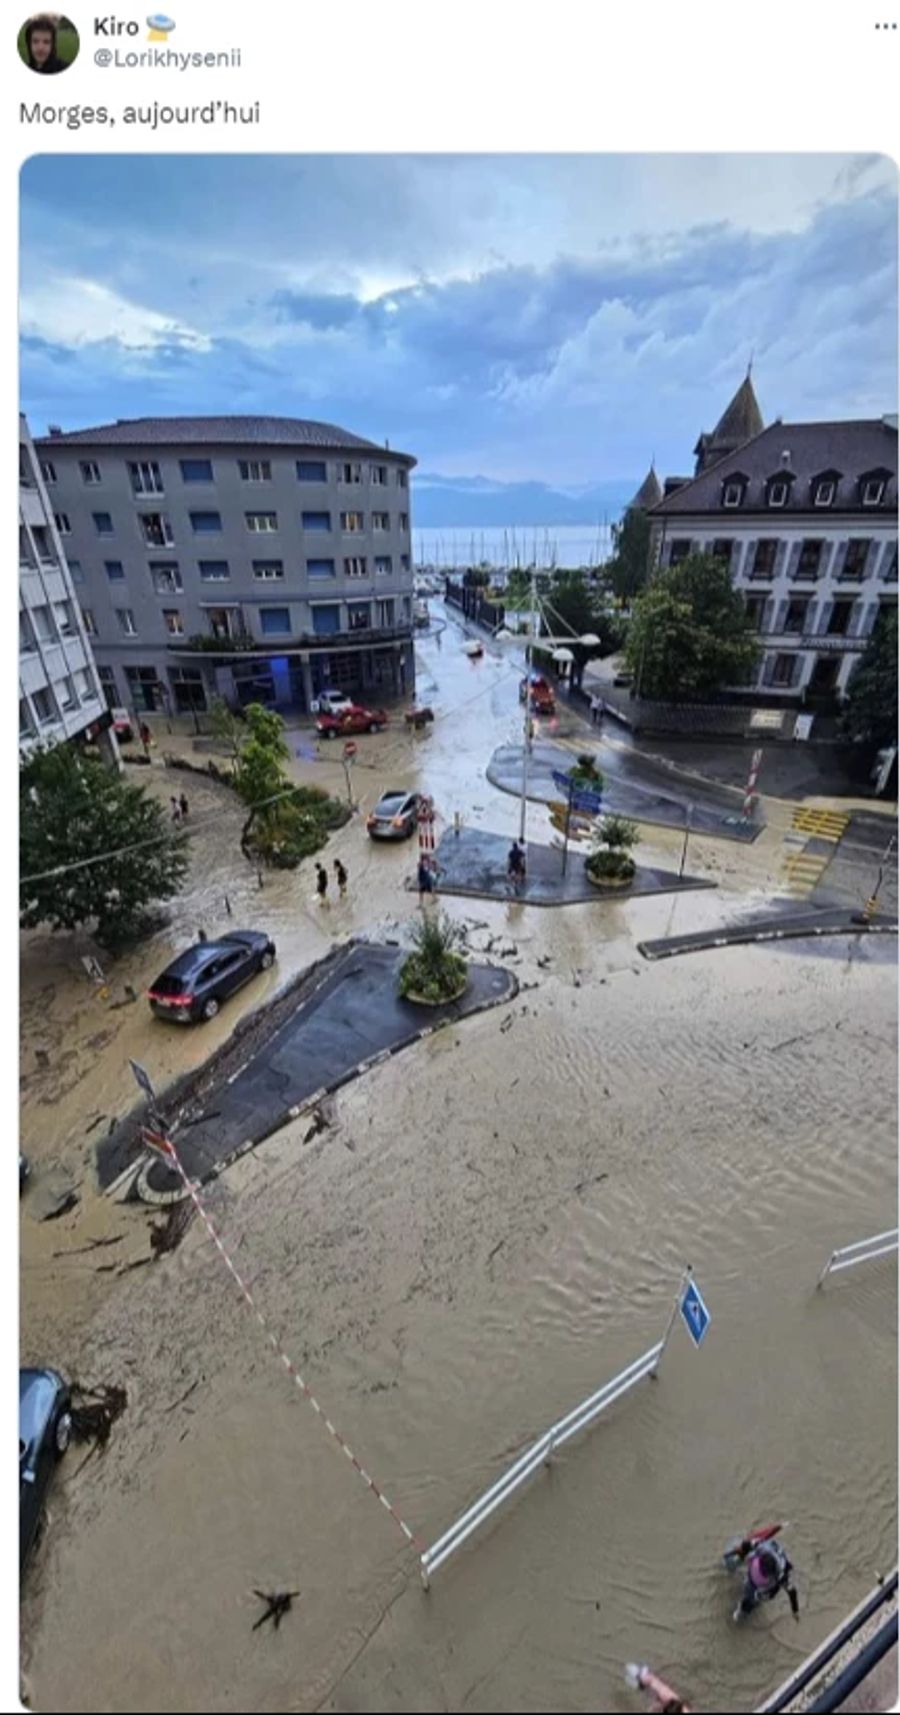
(194, 985)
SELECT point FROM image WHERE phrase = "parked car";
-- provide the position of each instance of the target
(331, 703)
(474, 649)
(421, 614)
(543, 701)
(24, 1170)
(394, 816)
(354, 718)
(122, 724)
(45, 1430)
(623, 677)
(194, 985)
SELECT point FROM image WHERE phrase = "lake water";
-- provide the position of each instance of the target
(559, 545)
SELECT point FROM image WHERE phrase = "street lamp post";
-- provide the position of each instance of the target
(688, 811)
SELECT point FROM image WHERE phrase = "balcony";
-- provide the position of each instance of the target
(825, 642)
(368, 637)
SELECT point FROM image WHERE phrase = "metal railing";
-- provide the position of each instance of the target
(538, 1453)
(884, 1245)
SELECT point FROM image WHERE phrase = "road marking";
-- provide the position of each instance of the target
(825, 824)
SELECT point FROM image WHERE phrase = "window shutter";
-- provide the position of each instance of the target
(812, 616)
(826, 612)
(768, 614)
(780, 617)
(839, 556)
(792, 552)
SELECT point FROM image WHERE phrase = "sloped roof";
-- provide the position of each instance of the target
(851, 448)
(648, 494)
(740, 420)
(219, 431)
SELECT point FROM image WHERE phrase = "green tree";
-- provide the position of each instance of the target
(111, 840)
(870, 712)
(262, 751)
(689, 633)
(627, 572)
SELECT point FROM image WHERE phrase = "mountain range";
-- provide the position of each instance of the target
(472, 502)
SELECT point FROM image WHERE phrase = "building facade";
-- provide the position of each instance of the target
(59, 690)
(805, 517)
(258, 559)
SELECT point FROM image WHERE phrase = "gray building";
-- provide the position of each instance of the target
(260, 559)
(59, 693)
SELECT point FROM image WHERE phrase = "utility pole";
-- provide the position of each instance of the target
(527, 724)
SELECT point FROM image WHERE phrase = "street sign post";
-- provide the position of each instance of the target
(694, 1313)
(142, 1079)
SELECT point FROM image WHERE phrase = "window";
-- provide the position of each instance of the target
(407, 607)
(214, 571)
(316, 520)
(115, 571)
(857, 555)
(320, 568)
(173, 621)
(679, 551)
(386, 611)
(43, 624)
(404, 520)
(764, 558)
(721, 549)
(352, 522)
(783, 669)
(45, 707)
(26, 557)
(262, 523)
(401, 479)
(795, 618)
(62, 522)
(44, 544)
(326, 619)
(190, 692)
(778, 495)
(75, 571)
(65, 619)
(48, 470)
(68, 699)
(146, 477)
(103, 523)
(312, 470)
(404, 562)
(890, 576)
(85, 686)
(90, 472)
(144, 688)
(196, 470)
(379, 475)
(156, 530)
(268, 571)
(732, 493)
(205, 523)
(355, 567)
(225, 622)
(755, 608)
(384, 565)
(839, 619)
(88, 621)
(255, 470)
(126, 621)
(108, 686)
(381, 520)
(873, 490)
(274, 621)
(25, 726)
(359, 615)
(824, 492)
(166, 577)
(26, 635)
(810, 560)
(351, 473)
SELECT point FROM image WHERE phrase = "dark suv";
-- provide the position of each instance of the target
(196, 983)
(45, 1429)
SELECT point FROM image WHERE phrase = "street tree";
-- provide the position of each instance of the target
(870, 711)
(689, 633)
(286, 823)
(102, 848)
(626, 574)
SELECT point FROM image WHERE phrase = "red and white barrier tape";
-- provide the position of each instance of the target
(167, 1148)
(750, 792)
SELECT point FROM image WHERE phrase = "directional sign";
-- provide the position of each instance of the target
(696, 1316)
(584, 799)
(563, 781)
(142, 1079)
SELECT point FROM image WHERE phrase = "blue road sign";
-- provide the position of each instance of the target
(583, 799)
(696, 1316)
(563, 781)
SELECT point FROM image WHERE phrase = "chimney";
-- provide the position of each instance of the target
(786, 459)
(387, 444)
(54, 429)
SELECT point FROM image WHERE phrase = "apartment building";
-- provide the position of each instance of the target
(259, 559)
(805, 517)
(59, 691)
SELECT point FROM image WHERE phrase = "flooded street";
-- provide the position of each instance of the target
(493, 1225)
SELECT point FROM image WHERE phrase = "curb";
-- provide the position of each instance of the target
(740, 938)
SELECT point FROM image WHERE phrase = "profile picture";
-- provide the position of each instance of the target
(48, 42)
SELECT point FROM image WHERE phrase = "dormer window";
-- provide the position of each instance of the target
(733, 491)
(873, 491)
(824, 492)
(779, 491)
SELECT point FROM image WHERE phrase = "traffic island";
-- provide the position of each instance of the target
(780, 926)
(472, 864)
(340, 1018)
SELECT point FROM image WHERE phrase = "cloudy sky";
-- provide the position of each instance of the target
(548, 318)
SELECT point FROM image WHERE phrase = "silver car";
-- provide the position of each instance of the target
(394, 816)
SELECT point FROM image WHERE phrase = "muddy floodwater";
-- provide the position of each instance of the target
(493, 1224)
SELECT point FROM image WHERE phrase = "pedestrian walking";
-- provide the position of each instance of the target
(516, 866)
(425, 877)
(146, 735)
(183, 805)
(322, 883)
(176, 809)
(340, 874)
(202, 935)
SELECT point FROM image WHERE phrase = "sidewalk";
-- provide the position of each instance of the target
(472, 864)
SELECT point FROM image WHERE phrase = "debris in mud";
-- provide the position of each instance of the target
(278, 1603)
(507, 1024)
(93, 1420)
(93, 1245)
(65, 1201)
(94, 1122)
(544, 961)
(167, 1235)
(321, 1120)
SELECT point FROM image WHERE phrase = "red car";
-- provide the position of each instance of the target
(543, 702)
(349, 721)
